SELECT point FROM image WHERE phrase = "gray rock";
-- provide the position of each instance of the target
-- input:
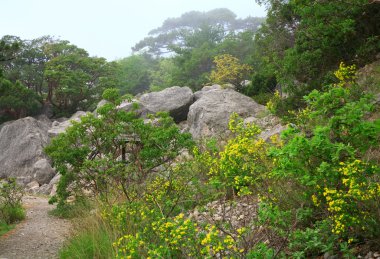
(175, 100)
(136, 106)
(60, 127)
(210, 114)
(32, 187)
(42, 171)
(199, 94)
(51, 187)
(275, 130)
(22, 157)
(100, 104)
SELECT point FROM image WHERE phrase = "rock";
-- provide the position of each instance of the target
(136, 106)
(42, 171)
(183, 126)
(22, 157)
(32, 187)
(199, 94)
(53, 190)
(245, 83)
(175, 100)
(44, 119)
(100, 104)
(210, 114)
(369, 255)
(270, 126)
(60, 127)
(51, 187)
(276, 130)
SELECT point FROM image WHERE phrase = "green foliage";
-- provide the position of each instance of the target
(11, 210)
(54, 70)
(135, 73)
(174, 31)
(16, 101)
(302, 41)
(90, 153)
(4, 228)
(91, 242)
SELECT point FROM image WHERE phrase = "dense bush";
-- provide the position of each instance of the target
(11, 209)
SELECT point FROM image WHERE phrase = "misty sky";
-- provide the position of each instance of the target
(105, 28)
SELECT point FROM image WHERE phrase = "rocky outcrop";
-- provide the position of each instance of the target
(175, 100)
(269, 124)
(135, 106)
(210, 114)
(60, 127)
(22, 157)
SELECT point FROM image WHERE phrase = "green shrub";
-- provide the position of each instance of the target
(105, 154)
(11, 209)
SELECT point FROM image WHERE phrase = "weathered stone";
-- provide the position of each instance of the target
(175, 100)
(42, 171)
(199, 94)
(32, 187)
(22, 157)
(60, 127)
(210, 114)
(51, 187)
(135, 106)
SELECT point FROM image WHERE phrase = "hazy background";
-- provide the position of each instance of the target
(104, 28)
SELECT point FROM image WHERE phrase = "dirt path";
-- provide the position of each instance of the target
(39, 236)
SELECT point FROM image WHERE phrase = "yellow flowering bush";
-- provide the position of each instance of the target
(244, 161)
(347, 202)
(345, 74)
(273, 102)
(229, 70)
(178, 237)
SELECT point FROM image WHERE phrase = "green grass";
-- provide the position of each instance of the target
(93, 239)
(12, 214)
(95, 243)
(4, 228)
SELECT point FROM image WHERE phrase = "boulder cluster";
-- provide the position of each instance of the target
(204, 114)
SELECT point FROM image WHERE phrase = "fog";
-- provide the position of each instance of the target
(104, 28)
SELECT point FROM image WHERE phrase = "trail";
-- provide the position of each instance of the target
(38, 236)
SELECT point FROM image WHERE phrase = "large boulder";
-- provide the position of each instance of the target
(61, 126)
(22, 157)
(210, 114)
(136, 106)
(175, 100)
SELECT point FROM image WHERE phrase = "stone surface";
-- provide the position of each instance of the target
(51, 187)
(210, 114)
(22, 157)
(32, 187)
(42, 171)
(175, 100)
(60, 126)
(39, 236)
(239, 213)
(135, 106)
(270, 125)
(199, 94)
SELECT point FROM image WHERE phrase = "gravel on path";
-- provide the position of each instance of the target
(40, 235)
